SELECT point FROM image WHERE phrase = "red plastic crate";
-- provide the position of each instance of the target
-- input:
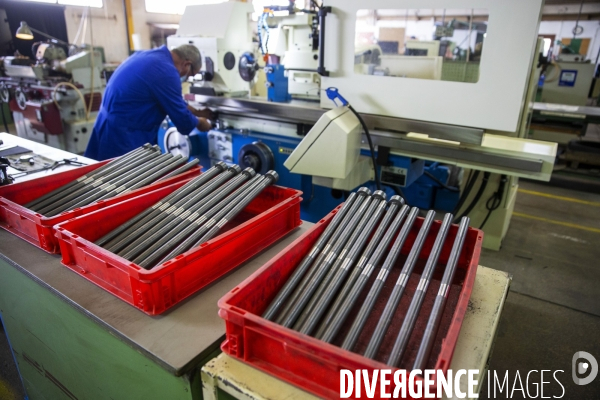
(39, 230)
(271, 215)
(314, 365)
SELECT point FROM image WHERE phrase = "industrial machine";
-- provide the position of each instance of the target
(222, 34)
(407, 135)
(54, 98)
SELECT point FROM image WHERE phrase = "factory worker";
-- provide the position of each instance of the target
(139, 95)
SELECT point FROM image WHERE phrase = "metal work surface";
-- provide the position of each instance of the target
(473, 348)
(565, 110)
(42, 150)
(310, 112)
(175, 340)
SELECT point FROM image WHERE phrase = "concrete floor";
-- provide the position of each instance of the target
(553, 309)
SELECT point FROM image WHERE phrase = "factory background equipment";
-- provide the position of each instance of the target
(54, 99)
(462, 156)
(222, 34)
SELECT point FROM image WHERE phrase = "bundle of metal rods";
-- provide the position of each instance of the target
(365, 237)
(188, 217)
(138, 168)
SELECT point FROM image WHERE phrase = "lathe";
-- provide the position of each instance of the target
(54, 99)
(470, 112)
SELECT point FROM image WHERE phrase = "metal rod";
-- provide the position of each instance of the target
(175, 196)
(110, 186)
(367, 307)
(354, 247)
(417, 301)
(340, 259)
(439, 305)
(307, 261)
(157, 175)
(168, 209)
(83, 184)
(326, 265)
(182, 169)
(196, 221)
(175, 222)
(382, 234)
(95, 172)
(362, 193)
(270, 178)
(394, 299)
(93, 183)
(102, 176)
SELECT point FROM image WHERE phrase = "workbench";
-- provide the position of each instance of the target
(73, 340)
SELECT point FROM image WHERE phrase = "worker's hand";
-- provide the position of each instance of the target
(204, 113)
(204, 125)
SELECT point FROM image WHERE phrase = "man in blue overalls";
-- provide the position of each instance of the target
(139, 95)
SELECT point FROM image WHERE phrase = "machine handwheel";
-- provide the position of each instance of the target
(176, 143)
(21, 99)
(258, 156)
(247, 66)
(4, 93)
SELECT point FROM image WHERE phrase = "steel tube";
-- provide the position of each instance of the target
(175, 196)
(384, 233)
(326, 265)
(361, 194)
(172, 224)
(417, 301)
(96, 172)
(196, 221)
(394, 299)
(340, 270)
(439, 305)
(307, 261)
(367, 307)
(168, 209)
(109, 186)
(215, 224)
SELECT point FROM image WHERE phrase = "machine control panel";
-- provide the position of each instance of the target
(220, 146)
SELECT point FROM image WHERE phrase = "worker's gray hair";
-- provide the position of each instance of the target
(190, 53)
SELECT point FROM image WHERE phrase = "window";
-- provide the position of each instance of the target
(438, 44)
(175, 6)
(83, 3)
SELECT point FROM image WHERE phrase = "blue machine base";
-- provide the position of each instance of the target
(420, 191)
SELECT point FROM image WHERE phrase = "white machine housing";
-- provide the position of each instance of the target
(495, 102)
(292, 40)
(217, 29)
(331, 149)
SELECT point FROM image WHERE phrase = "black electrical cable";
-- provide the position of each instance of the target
(470, 182)
(494, 201)
(398, 191)
(484, 182)
(442, 184)
(315, 3)
(371, 147)
(3, 117)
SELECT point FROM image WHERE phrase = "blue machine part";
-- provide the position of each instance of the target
(418, 189)
(277, 84)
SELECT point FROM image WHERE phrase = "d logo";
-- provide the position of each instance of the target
(589, 365)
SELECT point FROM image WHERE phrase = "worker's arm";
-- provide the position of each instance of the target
(168, 93)
(204, 118)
